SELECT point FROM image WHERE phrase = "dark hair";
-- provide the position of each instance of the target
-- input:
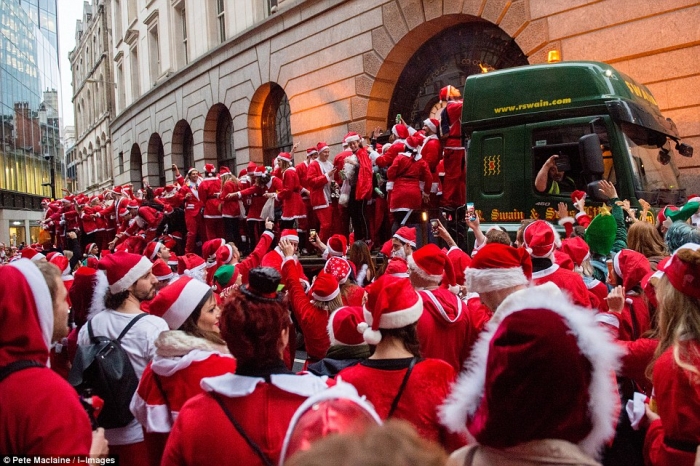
(190, 325)
(408, 335)
(114, 301)
(252, 329)
(52, 276)
(360, 255)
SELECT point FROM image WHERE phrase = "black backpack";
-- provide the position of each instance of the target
(103, 368)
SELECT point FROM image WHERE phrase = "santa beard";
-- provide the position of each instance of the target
(400, 253)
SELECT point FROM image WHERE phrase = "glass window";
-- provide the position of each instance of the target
(276, 127)
(221, 20)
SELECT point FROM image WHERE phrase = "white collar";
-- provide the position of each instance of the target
(234, 385)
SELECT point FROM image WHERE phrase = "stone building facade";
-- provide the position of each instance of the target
(93, 98)
(315, 69)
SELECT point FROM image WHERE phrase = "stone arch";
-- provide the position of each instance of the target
(92, 177)
(407, 26)
(269, 123)
(104, 144)
(155, 165)
(135, 166)
(97, 156)
(218, 137)
(182, 146)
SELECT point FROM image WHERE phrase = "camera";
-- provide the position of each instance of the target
(312, 235)
(434, 224)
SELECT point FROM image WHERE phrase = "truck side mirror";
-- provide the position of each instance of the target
(591, 154)
(593, 192)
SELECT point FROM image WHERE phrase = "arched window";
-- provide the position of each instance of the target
(156, 163)
(225, 151)
(135, 164)
(276, 127)
(182, 146)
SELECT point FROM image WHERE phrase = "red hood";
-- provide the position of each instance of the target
(632, 267)
(449, 303)
(26, 319)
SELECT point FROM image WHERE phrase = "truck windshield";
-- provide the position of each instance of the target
(654, 172)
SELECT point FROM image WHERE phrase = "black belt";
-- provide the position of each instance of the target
(690, 447)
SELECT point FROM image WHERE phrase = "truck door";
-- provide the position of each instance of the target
(495, 162)
(561, 138)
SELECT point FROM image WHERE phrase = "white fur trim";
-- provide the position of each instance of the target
(136, 272)
(190, 296)
(331, 334)
(415, 268)
(41, 295)
(156, 248)
(565, 220)
(98, 295)
(362, 274)
(594, 343)
(616, 264)
(234, 385)
(404, 240)
(332, 296)
(485, 280)
(398, 318)
(354, 137)
(608, 319)
(341, 390)
(154, 418)
(291, 237)
(545, 272)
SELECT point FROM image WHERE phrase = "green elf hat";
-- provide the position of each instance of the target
(684, 213)
(600, 234)
(225, 276)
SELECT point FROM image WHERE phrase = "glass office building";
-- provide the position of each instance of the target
(31, 154)
(29, 86)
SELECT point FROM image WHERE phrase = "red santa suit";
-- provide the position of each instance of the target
(256, 194)
(312, 320)
(454, 190)
(275, 259)
(566, 280)
(446, 330)
(673, 440)
(319, 183)
(262, 408)
(428, 385)
(193, 206)
(40, 414)
(181, 362)
(411, 177)
(293, 207)
(255, 258)
(209, 191)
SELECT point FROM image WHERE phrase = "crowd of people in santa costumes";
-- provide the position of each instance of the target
(576, 344)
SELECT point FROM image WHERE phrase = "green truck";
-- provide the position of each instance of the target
(600, 123)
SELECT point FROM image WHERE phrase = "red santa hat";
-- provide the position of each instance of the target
(89, 247)
(576, 195)
(31, 254)
(259, 171)
(432, 124)
(50, 255)
(325, 287)
(63, 264)
(192, 169)
(386, 249)
(152, 249)
(321, 146)
(123, 269)
(631, 266)
(460, 262)
(351, 136)
(335, 410)
(337, 245)
(683, 270)
(431, 263)
(540, 370)
(189, 264)
(87, 294)
(406, 235)
(29, 313)
(311, 151)
(133, 204)
(562, 259)
(400, 131)
(342, 326)
(538, 238)
(93, 261)
(224, 171)
(161, 270)
(414, 142)
(224, 254)
(123, 211)
(209, 168)
(339, 268)
(391, 303)
(285, 156)
(176, 302)
(448, 92)
(290, 235)
(397, 267)
(498, 266)
(209, 248)
(577, 249)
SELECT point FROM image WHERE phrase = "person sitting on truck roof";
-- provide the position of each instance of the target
(552, 179)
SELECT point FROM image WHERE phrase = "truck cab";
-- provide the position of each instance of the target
(600, 123)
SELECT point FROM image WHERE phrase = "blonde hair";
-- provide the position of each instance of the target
(645, 239)
(331, 305)
(679, 320)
